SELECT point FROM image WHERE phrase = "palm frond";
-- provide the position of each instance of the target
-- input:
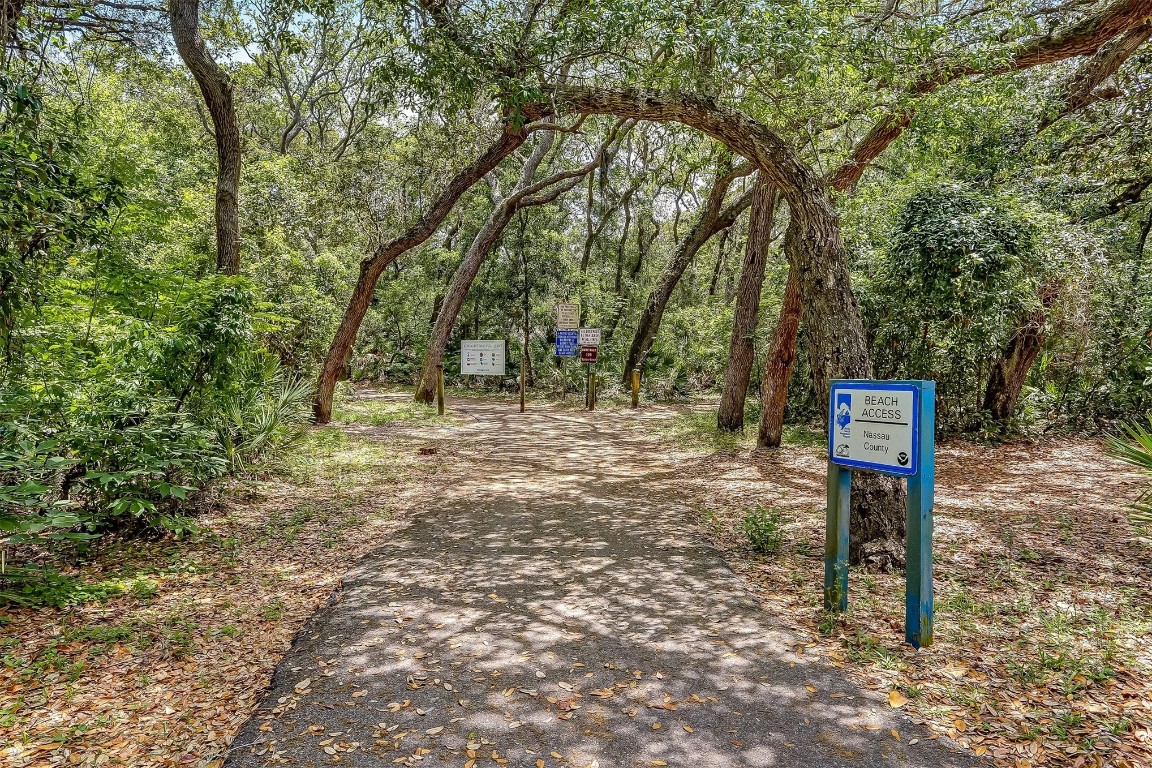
(1134, 446)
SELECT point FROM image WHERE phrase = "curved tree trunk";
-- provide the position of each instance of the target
(778, 368)
(511, 137)
(831, 322)
(1010, 372)
(454, 298)
(741, 348)
(217, 91)
(526, 194)
(712, 219)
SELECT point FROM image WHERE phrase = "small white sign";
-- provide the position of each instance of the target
(589, 337)
(874, 425)
(482, 357)
(567, 316)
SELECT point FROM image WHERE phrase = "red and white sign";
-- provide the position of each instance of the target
(588, 355)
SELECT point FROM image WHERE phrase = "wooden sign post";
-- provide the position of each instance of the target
(635, 388)
(889, 427)
(440, 389)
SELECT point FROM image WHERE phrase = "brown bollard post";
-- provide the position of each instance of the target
(440, 389)
(635, 389)
(591, 390)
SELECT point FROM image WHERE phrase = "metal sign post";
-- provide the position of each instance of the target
(889, 427)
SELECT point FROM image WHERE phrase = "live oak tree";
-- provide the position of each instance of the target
(834, 333)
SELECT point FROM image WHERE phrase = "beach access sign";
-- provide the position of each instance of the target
(482, 357)
(875, 425)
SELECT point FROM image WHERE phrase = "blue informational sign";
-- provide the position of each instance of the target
(875, 425)
(567, 343)
(886, 426)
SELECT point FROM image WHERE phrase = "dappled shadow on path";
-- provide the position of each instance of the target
(561, 607)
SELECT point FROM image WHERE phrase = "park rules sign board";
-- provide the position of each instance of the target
(482, 357)
(875, 425)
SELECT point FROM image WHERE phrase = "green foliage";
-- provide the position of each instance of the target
(50, 208)
(764, 529)
(959, 270)
(1134, 446)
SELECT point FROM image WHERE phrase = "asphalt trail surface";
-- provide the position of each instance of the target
(562, 609)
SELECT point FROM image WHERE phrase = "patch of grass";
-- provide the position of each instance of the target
(697, 429)
(273, 611)
(48, 665)
(865, 648)
(51, 588)
(380, 411)
(803, 436)
(100, 633)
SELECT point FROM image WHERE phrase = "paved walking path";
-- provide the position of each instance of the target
(563, 610)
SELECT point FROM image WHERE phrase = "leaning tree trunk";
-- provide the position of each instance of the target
(454, 298)
(741, 349)
(217, 91)
(1010, 372)
(712, 219)
(511, 137)
(526, 194)
(778, 368)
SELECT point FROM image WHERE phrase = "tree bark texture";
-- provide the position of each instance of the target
(216, 88)
(778, 363)
(1010, 372)
(10, 13)
(714, 218)
(511, 137)
(741, 347)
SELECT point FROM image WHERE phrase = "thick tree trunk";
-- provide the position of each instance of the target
(216, 88)
(741, 348)
(511, 137)
(714, 218)
(1010, 372)
(778, 368)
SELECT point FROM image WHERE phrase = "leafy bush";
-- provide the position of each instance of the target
(764, 529)
(947, 296)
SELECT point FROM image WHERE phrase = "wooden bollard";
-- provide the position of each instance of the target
(591, 391)
(636, 389)
(523, 378)
(440, 389)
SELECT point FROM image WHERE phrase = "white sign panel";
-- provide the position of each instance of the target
(874, 425)
(567, 316)
(589, 337)
(482, 357)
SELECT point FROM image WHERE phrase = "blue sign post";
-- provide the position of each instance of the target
(889, 427)
(567, 343)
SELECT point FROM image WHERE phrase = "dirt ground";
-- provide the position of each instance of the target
(1042, 590)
